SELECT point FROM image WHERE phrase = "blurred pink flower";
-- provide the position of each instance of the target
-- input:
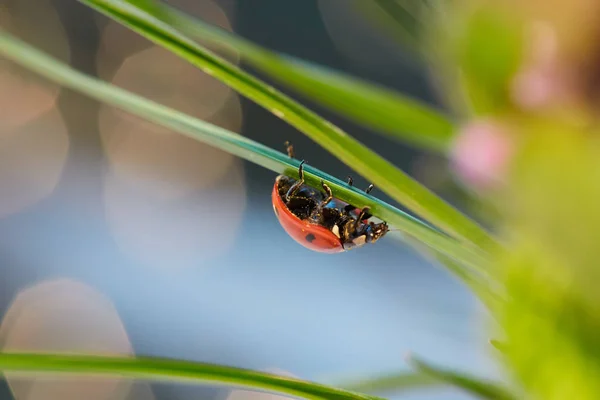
(542, 79)
(481, 153)
(535, 88)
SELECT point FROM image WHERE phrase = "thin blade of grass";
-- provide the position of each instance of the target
(387, 111)
(480, 284)
(498, 345)
(173, 370)
(233, 143)
(478, 387)
(404, 24)
(402, 381)
(374, 168)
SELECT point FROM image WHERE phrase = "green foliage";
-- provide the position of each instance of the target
(235, 144)
(374, 168)
(480, 46)
(551, 318)
(540, 285)
(472, 385)
(403, 21)
(489, 51)
(174, 371)
(392, 113)
(403, 381)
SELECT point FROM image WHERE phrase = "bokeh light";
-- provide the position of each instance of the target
(25, 96)
(118, 42)
(164, 77)
(176, 233)
(170, 201)
(138, 195)
(32, 159)
(219, 14)
(141, 391)
(64, 316)
(34, 140)
(355, 36)
(162, 163)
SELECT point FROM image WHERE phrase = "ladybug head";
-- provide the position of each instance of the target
(377, 231)
(363, 234)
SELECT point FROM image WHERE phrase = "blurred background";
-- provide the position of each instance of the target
(120, 237)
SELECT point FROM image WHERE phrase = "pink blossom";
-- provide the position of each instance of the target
(481, 153)
(542, 80)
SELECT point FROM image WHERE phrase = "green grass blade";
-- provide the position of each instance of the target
(382, 173)
(498, 345)
(173, 370)
(387, 111)
(233, 143)
(403, 22)
(476, 280)
(480, 388)
(403, 381)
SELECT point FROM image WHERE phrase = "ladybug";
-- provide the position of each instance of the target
(317, 220)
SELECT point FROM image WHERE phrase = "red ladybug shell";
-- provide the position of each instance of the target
(312, 236)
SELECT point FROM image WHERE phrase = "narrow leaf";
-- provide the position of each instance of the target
(382, 173)
(478, 387)
(389, 112)
(403, 381)
(233, 143)
(481, 285)
(498, 345)
(173, 370)
(403, 21)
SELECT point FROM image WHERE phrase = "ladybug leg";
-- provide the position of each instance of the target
(296, 186)
(290, 149)
(350, 182)
(349, 208)
(328, 192)
(364, 215)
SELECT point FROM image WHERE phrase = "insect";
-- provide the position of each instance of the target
(317, 220)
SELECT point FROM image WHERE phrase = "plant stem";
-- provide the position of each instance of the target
(379, 171)
(233, 143)
(173, 370)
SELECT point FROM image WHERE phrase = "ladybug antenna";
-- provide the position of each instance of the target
(394, 230)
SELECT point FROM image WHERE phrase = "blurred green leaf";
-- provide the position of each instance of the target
(490, 51)
(402, 381)
(475, 386)
(551, 317)
(498, 345)
(404, 20)
(233, 143)
(383, 174)
(551, 328)
(486, 289)
(390, 112)
(173, 370)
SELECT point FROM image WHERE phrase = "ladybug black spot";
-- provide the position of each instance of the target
(310, 237)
